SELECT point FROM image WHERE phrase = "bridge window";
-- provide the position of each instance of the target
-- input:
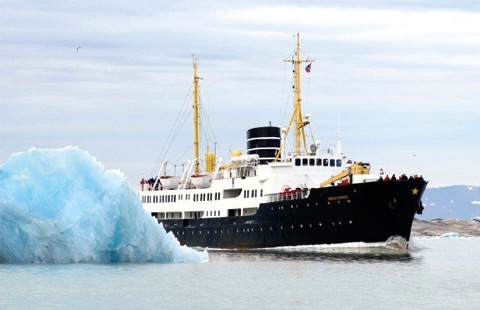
(304, 161)
(325, 162)
(297, 161)
(311, 162)
(339, 162)
(319, 161)
(332, 162)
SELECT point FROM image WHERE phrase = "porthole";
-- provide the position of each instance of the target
(308, 205)
(350, 222)
(301, 226)
(208, 232)
(281, 227)
(215, 231)
(310, 225)
(333, 223)
(339, 223)
(271, 228)
(261, 229)
(319, 224)
(292, 227)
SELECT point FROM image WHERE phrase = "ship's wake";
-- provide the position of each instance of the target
(62, 206)
(395, 248)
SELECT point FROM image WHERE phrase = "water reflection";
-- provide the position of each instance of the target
(331, 253)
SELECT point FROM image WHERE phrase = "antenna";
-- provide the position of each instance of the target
(414, 163)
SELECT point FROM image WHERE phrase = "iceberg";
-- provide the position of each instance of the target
(63, 206)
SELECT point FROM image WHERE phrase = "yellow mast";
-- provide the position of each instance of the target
(196, 119)
(300, 123)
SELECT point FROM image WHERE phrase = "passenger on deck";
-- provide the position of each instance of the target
(387, 178)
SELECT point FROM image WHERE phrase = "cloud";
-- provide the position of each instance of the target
(401, 79)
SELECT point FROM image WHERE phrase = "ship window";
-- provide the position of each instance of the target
(332, 162)
(339, 162)
(311, 162)
(325, 162)
(304, 161)
(297, 161)
(319, 161)
(261, 193)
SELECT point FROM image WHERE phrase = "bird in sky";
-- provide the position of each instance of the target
(78, 48)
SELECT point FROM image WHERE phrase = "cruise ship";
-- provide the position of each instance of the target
(272, 196)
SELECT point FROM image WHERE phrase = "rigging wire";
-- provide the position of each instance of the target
(174, 131)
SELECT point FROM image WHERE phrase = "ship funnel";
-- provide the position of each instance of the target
(264, 141)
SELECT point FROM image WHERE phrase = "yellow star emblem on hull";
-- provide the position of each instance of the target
(414, 191)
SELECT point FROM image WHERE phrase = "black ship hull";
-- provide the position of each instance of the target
(363, 212)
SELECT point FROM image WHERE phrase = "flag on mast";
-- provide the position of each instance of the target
(308, 67)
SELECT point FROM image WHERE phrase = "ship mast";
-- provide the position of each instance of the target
(196, 119)
(300, 122)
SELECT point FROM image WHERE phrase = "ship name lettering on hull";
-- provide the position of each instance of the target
(343, 197)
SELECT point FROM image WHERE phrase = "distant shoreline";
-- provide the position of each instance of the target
(438, 227)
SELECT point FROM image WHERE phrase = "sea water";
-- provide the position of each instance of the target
(435, 273)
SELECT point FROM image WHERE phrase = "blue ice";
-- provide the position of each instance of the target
(63, 206)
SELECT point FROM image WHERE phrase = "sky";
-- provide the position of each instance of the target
(399, 83)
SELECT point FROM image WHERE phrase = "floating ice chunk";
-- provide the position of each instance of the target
(450, 235)
(62, 206)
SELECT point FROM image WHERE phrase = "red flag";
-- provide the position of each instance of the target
(308, 67)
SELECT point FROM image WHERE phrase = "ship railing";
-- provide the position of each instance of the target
(293, 194)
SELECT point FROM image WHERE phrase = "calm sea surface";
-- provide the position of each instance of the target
(433, 274)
